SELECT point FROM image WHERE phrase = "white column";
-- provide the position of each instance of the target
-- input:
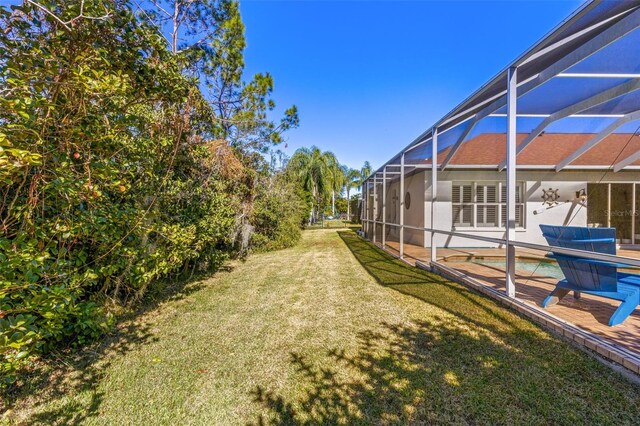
(434, 188)
(633, 213)
(384, 206)
(425, 201)
(369, 209)
(512, 78)
(364, 214)
(375, 205)
(402, 206)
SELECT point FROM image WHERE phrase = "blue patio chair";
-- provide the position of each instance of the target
(594, 277)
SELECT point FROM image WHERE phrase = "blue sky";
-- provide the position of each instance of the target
(369, 76)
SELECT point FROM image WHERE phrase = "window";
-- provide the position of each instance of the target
(487, 205)
(482, 205)
(462, 197)
(519, 206)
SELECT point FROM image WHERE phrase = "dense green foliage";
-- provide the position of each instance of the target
(324, 180)
(319, 174)
(280, 210)
(124, 158)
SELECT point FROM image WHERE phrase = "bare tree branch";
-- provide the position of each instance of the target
(162, 9)
(50, 13)
(67, 24)
(151, 21)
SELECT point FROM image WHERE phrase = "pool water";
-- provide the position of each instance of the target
(546, 269)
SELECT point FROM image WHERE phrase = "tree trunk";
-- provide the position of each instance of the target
(313, 211)
(348, 205)
(333, 203)
(176, 27)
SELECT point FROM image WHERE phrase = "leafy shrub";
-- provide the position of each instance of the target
(116, 170)
(280, 210)
(100, 191)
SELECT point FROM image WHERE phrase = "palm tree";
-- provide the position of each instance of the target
(316, 171)
(353, 178)
(365, 172)
(337, 182)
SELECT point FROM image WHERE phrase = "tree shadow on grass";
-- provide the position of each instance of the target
(467, 362)
(71, 372)
(433, 289)
(432, 373)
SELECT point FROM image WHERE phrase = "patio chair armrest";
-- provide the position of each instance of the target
(583, 260)
(590, 240)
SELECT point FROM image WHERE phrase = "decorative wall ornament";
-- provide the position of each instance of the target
(581, 195)
(550, 196)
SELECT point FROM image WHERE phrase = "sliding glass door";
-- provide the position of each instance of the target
(614, 205)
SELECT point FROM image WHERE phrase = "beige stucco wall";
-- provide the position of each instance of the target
(418, 185)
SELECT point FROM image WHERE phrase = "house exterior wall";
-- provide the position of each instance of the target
(414, 185)
(568, 211)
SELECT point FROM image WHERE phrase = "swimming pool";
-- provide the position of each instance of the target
(547, 269)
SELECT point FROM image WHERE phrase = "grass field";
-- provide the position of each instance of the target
(330, 224)
(333, 331)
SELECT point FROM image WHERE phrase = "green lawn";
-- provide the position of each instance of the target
(333, 331)
(334, 223)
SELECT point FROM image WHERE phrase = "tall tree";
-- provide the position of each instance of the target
(111, 174)
(208, 37)
(316, 172)
(352, 180)
(365, 172)
(337, 183)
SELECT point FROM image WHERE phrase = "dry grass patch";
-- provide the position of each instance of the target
(333, 331)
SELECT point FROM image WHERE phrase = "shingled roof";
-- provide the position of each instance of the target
(548, 149)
